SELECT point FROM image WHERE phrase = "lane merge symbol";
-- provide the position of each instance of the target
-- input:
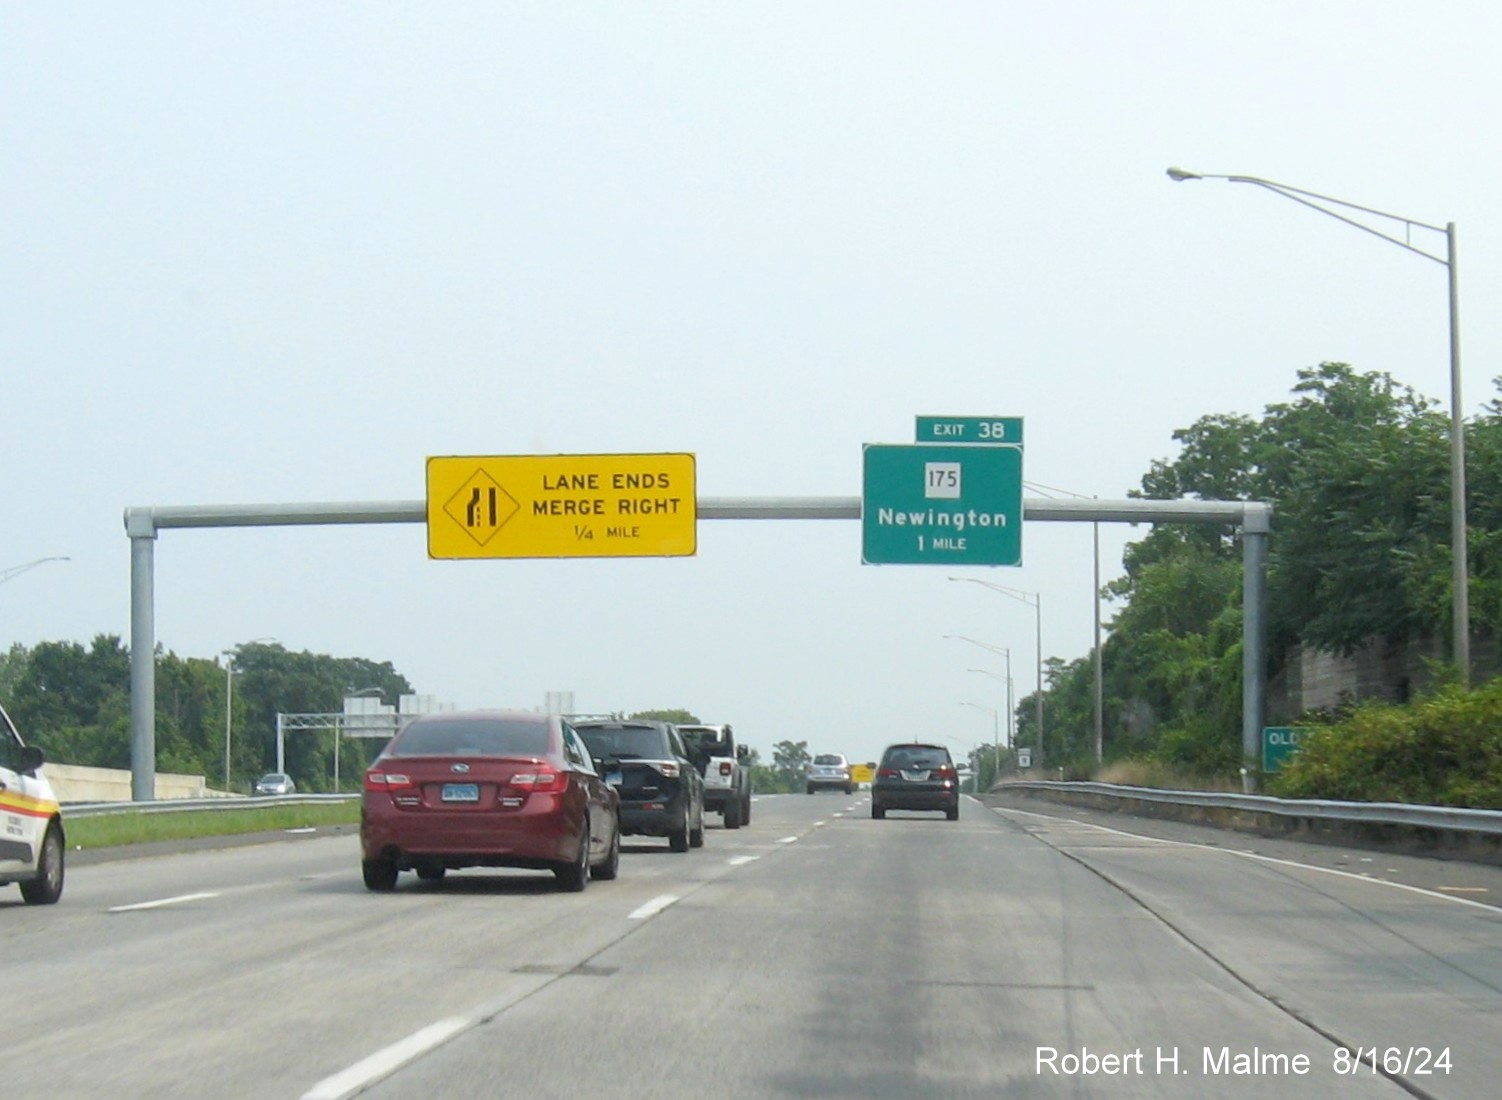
(481, 507)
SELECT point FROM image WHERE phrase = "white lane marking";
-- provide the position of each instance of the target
(840, 814)
(385, 1062)
(787, 840)
(303, 829)
(159, 903)
(653, 907)
(737, 861)
(1267, 859)
(818, 823)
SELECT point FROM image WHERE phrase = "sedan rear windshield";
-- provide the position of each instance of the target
(828, 760)
(917, 756)
(471, 737)
(623, 742)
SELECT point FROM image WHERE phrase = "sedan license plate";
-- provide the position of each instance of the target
(461, 792)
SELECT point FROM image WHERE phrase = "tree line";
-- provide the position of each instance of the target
(74, 702)
(1356, 467)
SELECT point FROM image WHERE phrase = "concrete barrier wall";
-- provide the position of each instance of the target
(75, 783)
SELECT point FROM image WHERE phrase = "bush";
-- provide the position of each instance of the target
(1443, 750)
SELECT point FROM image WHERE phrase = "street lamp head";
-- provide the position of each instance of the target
(1179, 175)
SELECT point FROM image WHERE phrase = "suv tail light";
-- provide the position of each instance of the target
(726, 767)
(544, 782)
(944, 773)
(387, 781)
(886, 773)
(669, 770)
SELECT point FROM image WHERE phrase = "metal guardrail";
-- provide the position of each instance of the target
(178, 805)
(1370, 813)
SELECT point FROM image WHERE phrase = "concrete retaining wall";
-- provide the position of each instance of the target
(75, 783)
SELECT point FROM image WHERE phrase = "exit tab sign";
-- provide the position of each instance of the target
(970, 429)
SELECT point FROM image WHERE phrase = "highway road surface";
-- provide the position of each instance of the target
(1025, 950)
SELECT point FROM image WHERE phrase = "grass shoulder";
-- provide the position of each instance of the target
(152, 826)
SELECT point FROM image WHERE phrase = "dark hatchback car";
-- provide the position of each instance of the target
(488, 789)
(915, 776)
(661, 790)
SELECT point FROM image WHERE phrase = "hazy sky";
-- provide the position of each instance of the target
(284, 252)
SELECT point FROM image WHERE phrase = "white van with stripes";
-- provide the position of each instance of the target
(31, 822)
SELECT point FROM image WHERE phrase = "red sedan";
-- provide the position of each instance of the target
(488, 789)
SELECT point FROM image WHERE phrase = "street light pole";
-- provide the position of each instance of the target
(1035, 601)
(229, 690)
(1460, 569)
(1007, 680)
(1007, 653)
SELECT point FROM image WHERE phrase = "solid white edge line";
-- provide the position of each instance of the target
(787, 840)
(159, 903)
(387, 1061)
(1265, 859)
(653, 907)
(737, 861)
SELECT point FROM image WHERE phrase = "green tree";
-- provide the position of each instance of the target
(676, 716)
(1355, 466)
(75, 702)
(12, 664)
(790, 760)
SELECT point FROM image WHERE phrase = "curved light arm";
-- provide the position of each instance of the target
(1299, 195)
(1007, 653)
(1030, 598)
(17, 570)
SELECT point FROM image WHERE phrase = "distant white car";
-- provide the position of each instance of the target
(31, 822)
(830, 769)
(275, 783)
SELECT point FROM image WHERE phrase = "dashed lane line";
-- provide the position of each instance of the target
(653, 907)
(159, 903)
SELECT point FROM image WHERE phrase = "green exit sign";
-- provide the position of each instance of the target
(927, 504)
(970, 429)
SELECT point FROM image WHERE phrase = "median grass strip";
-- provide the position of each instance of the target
(137, 827)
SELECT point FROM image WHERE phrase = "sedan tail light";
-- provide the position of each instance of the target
(944, 773)
(887, 773)
(544, 782)
(386, 781)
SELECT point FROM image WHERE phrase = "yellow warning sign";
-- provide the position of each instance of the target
(561, 506)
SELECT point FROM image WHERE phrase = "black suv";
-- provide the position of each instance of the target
(914, 776)
(661, 791)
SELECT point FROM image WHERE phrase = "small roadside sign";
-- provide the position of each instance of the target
(561, 506)
(1279, 744)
